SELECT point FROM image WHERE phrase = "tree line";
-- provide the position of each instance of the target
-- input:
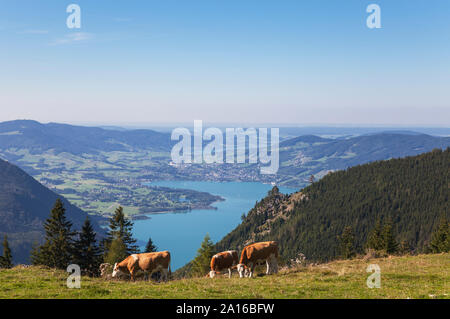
(382, 240)
(62, 246)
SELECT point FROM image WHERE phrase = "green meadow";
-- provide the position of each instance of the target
(422, 276)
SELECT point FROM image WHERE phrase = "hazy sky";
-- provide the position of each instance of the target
(247, 61)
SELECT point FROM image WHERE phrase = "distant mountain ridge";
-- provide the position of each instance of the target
(305, 155)
(24, 205)
(38, 138)
(300, 157)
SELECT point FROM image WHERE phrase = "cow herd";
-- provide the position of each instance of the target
(251, 255)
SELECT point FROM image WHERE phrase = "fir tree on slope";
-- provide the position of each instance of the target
(116, 253)
(347, 243)
(86, 253)
(440, 240)
(121, 228)
(150, 247)
(382, 238)
(389, 243)
(56, 252)
(6, 259)
(201, 262)
(375, 238)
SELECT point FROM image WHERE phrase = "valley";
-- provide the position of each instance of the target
(99, 183)
(99, 169)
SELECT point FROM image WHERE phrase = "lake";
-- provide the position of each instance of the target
(182, 232)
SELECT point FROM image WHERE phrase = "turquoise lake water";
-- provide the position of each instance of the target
(182, 232)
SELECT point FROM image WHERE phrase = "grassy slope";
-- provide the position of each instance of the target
(423, 276)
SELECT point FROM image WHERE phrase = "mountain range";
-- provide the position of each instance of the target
(38, 138)
(31, 144)
(312, 155)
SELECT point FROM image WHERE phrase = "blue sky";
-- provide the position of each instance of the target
(247, 61)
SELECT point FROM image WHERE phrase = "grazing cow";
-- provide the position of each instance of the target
(105, 270)
(147, 262)
(223, 260)
(258, 252)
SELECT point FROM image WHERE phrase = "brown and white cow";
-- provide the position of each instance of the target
(222, 261)
(256, 253)
(147, 262)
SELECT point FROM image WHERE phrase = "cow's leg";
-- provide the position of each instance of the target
(155, 275)
(164, 274)
(268, 266)
(274, 264)
(229, 272)
(252, 268)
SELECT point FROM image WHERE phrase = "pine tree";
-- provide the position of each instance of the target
(35, 254)
(86, 253)
(375, 239)
(440, 240)
(274, 191)
(117, 252)
(6, 259)
(201, 262)
(347, 243)
(121, 227)
(389, 243)
(56, 252)
(150, 247)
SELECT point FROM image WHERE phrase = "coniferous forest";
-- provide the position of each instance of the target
(409, 196)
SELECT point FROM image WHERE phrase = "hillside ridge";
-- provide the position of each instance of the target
(356, 197)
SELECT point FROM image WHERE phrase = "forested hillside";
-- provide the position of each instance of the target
(24, 205)
(412, 192)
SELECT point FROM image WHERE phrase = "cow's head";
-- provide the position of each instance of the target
(117, 271)
(212, 274)
(105, 269)
(242, 270)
